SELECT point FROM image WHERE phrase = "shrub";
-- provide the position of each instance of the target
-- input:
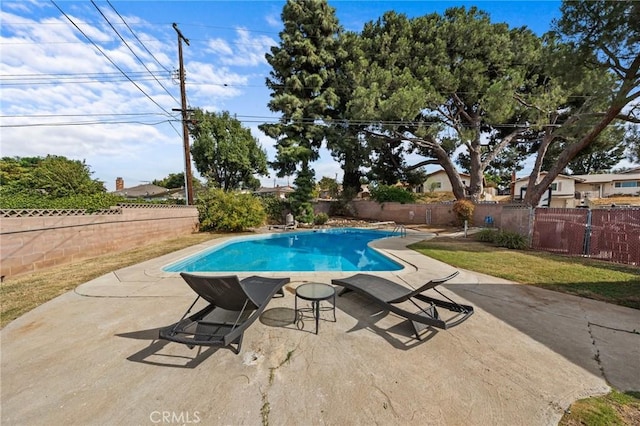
(304, 212)
(229, 211)
(487, 236)
(92, 202)
(391, 194)
(321, 219)
(508, 239)
(511, 240)
(275, 208)
(463, 210)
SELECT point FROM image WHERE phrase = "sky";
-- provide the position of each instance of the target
(97, 81)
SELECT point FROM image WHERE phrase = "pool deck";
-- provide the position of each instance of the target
(91, 356)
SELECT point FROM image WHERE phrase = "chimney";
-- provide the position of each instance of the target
(119, 184)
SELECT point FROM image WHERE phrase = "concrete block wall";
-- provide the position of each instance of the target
(34, 243)
(518, 219)
(507, 217)
(407, 214)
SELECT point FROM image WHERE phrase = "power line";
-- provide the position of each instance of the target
(114, 64)
(108, 58)
(108, 114)
(73, 78)
(112, 77)
(72, 74)
(136, 37)
(57, 82)
(131, 50)
(86, 123)
(273, 120)
(159, 24)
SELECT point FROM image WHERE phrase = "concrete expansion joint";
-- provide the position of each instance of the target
(596, 356)
(265, 410)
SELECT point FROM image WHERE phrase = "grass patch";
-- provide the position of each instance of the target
(613, 409)
(25, 292)
(608, 282)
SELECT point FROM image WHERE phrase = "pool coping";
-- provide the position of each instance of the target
(522, 358)
(127, 281)
(221, 243)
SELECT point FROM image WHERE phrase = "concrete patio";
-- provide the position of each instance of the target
(91, 356)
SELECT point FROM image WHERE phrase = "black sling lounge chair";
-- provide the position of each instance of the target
(389, 295)
(233, 306)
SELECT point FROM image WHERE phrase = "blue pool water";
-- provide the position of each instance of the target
(341, 249)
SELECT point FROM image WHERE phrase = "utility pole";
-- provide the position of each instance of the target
(185, 130)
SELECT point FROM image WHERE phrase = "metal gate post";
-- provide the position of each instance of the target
(531, 224)
(586, 246)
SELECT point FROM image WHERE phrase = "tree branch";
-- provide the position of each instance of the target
(519, 99)
(423, 163)
(461, 104)
(500, 147)
(614, 61)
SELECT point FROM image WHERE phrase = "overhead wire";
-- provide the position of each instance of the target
(70, 74)
(251, 119)
(132, 51)
(108, 114)
(107, 57)
(110, 60)
(136, 37)
(84, 123)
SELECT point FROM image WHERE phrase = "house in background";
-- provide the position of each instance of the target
(562, 194)
(278, 192)
(577, 190)
(147, 191)
(608, 185)
(438, 181)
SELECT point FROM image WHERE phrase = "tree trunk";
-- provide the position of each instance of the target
(476, 172)
(536, 191)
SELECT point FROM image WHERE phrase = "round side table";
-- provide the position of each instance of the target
(314, 293)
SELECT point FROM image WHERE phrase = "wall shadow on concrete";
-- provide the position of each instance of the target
(597, 336)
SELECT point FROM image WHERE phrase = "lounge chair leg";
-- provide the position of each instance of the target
(239, 344)
(418, 328)
(344, 290)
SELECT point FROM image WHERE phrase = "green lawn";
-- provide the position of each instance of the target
(594, 279)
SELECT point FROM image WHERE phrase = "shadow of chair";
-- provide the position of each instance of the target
(233, 305)
(398, 299)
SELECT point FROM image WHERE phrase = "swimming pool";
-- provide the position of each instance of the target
(340, 249)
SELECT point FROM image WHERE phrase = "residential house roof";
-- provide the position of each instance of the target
(146, 191)
(595, 178)
(608, 177)
(277, 190)
(575, 177)
(443, 171)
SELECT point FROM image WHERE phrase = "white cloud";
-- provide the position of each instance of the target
(48, 100)
(205, 81)
(219, 46)
(81, 86)
(247, 50)
(23, 6)
(274, 20)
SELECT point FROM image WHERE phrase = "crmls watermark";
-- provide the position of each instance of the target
(175, 417)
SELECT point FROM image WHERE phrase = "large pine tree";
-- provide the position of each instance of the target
(300, 83)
